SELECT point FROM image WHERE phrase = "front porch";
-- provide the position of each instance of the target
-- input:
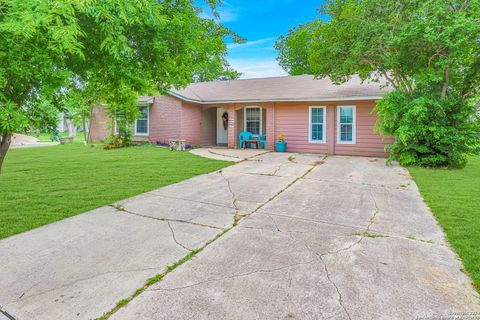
(222, 124)
(226, 154)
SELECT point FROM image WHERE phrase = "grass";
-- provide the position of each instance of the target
(46, 184)
(453, 196)
(47, 137)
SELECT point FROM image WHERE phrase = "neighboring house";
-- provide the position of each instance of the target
(313, 115)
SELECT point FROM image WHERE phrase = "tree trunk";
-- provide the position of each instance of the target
(84, 128)
(90, 125)
(72, 128)
(5, 141)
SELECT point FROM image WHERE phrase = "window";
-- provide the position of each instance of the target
(346, 126)
(141, 124)
(253, 120)
(316, 125)
(119, 118)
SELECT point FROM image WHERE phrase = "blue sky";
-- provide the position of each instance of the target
(261, 22)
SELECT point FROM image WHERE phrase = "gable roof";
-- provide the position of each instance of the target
(288, 88)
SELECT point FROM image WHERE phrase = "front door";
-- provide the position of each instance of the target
(222, 126)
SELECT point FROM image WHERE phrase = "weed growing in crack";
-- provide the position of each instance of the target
(369, 235)
(153, 280)
(291, 159)
(121, 303)
(412, 237)
(159, 277)
(118, 207)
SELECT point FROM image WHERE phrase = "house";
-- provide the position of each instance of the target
(314, 115)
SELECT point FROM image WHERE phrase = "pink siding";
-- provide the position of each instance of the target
(190, 123)
(368, 143)
(270, 126)
(165, 118)
(170, 118)
(291, 120)
(99, 124)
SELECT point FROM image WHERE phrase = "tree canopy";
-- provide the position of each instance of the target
(104, 51)
(428, 51)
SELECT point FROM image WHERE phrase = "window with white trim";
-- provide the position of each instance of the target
(346, 124)
(316, 124)
(119, 118)
(253, 120)
(141, 123)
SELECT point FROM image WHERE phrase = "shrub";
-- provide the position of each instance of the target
(121, 140)
(429, 130)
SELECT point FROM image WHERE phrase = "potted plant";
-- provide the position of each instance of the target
(281, 144)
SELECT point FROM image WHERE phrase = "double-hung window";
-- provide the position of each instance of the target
(316, 124)
(120, 120)
(346, 125)
(141, 123)
(253, 120)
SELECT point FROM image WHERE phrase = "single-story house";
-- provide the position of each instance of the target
(314, 115)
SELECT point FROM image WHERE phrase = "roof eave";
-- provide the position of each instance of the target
(179, 96)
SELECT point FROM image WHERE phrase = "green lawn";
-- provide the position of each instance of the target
(47, 137)
(454, 197)
(45, 184)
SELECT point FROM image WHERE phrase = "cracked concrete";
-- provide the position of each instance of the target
(337, 244)
(303, 249)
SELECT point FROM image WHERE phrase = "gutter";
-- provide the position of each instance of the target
(179, 96)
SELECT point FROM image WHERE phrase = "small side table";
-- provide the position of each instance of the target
(247, 142)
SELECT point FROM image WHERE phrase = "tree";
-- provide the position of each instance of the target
(54, 47)
(293, 56)
(215, 70)
(428, 52)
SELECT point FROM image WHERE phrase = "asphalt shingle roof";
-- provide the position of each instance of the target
(288, 88)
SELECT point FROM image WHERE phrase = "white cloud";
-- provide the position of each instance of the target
(250, 43)
(226, 12)
(253, 68)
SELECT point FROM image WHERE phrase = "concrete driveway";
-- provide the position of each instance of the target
(334, 238)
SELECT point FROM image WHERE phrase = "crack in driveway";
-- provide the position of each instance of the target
(175, 239)
(191, 254)
(86, 279)
(233, 276)
(121, 209)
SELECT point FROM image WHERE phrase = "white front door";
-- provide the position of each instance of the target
(222, 132)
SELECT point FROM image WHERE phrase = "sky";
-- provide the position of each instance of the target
(261, 22)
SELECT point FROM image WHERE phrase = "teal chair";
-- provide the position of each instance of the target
(243, 136)
(262, 139)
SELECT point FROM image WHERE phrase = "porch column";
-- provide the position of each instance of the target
(270, 130)
(331, 128)
(232, 127)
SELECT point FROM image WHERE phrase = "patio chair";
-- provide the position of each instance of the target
(243, 136)
(262, 139)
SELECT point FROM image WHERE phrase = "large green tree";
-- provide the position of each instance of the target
(97, 51)
(427, 51)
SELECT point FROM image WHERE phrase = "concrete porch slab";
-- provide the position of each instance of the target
(235, 155)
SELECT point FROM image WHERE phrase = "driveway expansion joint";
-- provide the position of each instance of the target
(236, 219)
